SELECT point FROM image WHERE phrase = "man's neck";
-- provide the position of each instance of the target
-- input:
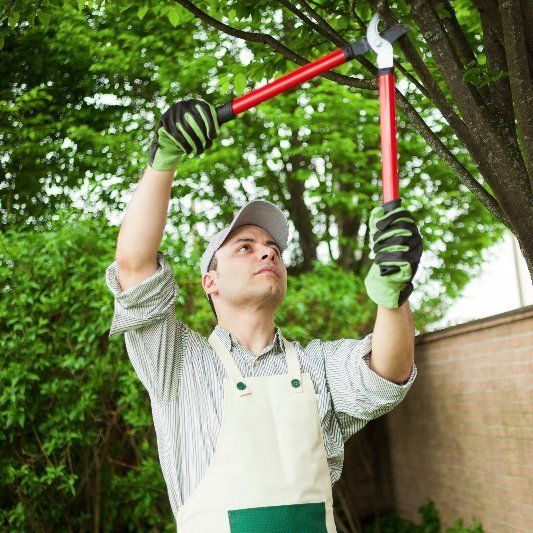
(253, 331)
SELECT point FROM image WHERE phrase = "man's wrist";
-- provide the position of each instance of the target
(160, 174)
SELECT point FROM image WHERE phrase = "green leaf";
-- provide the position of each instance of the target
(239, 83)
(124, 6)
(223, 83)
(13, 19)
(1, 42)
(174, 16)
(44, 17)
(478, 74)
(142, 11)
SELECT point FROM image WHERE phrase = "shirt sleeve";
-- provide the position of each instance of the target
(145, 302)
(358, 393)
(154, 338)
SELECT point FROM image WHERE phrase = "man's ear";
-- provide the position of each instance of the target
(209, 282)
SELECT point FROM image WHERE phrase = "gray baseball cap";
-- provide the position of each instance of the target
(260, 213)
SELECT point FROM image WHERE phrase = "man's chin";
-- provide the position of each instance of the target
(267, 281)
(269, 291)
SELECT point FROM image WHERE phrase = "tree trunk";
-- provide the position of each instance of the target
(348, 228)
(97, 489)
(299, 211)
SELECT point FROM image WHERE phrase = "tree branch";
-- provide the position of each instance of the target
(327, 233)
(323, 23)
(7, 10)
(458, 39)
(322, 27)
(464, 176)
(303, 17)
(501, 100)
(274, 43)
(527, 15)
(489, 9)
(460, 44)
(444, 52)
(462, 173)
(519, 75)
(347, 223)
(363, 263)
(500, 145)
(346, 508)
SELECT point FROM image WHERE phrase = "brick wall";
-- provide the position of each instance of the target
(463, 436)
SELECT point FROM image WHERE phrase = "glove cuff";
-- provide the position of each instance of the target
(164, 161)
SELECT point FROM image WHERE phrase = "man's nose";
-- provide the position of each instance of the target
(268, 252)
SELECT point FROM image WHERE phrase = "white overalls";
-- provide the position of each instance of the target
(269, 472)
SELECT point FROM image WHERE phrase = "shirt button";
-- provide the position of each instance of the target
(241, 385)
(295, 383)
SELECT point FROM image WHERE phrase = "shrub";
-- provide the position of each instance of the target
(390, 523)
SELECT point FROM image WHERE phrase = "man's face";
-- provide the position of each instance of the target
(250, 270)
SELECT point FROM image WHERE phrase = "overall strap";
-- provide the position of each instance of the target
(293, 366)
(239, 382)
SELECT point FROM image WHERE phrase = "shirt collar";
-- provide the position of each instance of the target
(230, 341)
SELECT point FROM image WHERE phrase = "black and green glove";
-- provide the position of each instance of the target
(397, 244)
(186, 127)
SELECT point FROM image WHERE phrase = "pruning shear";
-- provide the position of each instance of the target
(382, 45)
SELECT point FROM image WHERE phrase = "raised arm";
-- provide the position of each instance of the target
(142, 229)
(186, 127)
(398, 247)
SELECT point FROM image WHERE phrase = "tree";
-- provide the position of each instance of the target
(77, 443)
(474, 66)
(314, 151)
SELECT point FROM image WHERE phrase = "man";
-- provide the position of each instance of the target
(251, 427)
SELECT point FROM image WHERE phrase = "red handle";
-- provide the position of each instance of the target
(297, 77)
(389, 145)
(228, 111)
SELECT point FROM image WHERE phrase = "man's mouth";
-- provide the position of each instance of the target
(265, 270)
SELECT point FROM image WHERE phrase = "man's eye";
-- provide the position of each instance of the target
(278, 253)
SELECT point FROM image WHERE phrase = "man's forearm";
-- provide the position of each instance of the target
(142, 229)
(393, 343)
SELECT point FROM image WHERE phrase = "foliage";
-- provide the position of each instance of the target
(77, 439)
(460, 60)
(76, 119)
(391, 523)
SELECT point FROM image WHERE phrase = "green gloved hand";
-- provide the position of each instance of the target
(397, 244)
(186, 127)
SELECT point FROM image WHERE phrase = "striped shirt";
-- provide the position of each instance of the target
(184, 379)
